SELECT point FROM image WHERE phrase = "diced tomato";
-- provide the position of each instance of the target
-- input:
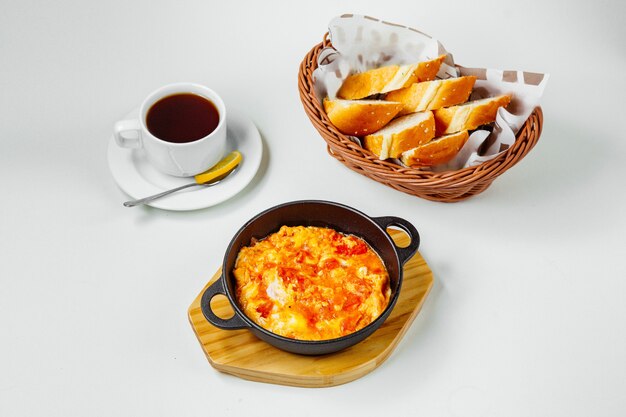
(292, 276)
(331, 264)
(287, 274)
(342, 249)
(352, 301)
(359, 249)
(301, 256)
(265, 309)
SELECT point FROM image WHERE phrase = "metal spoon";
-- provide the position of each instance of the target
(145, 200)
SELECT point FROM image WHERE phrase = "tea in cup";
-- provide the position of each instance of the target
(181, 128)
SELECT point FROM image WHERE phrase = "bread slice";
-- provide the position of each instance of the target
(433, 95)
(470, 115)
(360, 117)
(400, 135)
(389, 78)
(438, 151)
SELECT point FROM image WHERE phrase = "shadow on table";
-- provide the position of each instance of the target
(566, 159)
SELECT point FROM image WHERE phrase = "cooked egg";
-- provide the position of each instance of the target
(311, 283)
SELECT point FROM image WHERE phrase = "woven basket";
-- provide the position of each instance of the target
(450, 186)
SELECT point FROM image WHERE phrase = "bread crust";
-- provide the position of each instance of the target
(438, 151)
(427, 70)
(388, 78)
(433, 95)
(470, 115)
(360, 117)
(401, 135)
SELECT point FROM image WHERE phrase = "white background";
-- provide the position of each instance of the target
(527, 317)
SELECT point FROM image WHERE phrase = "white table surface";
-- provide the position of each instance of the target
(527, 316)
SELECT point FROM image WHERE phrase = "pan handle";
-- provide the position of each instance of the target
(403, 253)
(235, 322)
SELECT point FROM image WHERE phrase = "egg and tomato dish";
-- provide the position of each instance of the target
(311, 283)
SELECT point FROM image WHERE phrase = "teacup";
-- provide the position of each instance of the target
(181, 128)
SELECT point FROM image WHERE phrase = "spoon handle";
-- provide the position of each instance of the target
(148, 199)
(210, 183)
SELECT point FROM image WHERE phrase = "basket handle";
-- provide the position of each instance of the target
(235, 322)
(404, 254)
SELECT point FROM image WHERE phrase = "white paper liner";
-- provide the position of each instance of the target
(361, 43)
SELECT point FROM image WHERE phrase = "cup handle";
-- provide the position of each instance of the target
(124, 136)
(403, 253)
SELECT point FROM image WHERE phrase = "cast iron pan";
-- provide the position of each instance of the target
(322, 214)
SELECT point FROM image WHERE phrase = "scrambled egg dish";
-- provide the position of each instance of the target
(311, 283)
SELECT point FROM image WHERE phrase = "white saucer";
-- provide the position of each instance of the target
(137, 178)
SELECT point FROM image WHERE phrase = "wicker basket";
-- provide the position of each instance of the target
(450, 186)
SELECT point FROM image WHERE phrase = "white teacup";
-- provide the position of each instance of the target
(178, 159)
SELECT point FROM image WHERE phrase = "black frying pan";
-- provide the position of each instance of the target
(322, 214)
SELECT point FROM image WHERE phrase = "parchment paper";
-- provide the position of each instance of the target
(361, 43)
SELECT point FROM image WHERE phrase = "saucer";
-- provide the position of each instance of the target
(138, 178)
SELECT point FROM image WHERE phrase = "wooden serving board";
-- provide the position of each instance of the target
(240, 353)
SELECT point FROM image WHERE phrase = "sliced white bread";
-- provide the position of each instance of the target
(433, 95)
(470, 115)
(388, 78)
(401, 134)
(360, 117)
(438, 151)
